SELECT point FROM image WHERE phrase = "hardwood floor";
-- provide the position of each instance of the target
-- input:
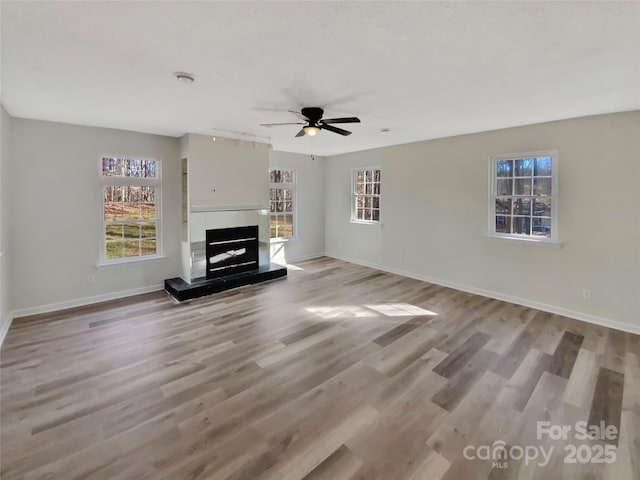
(338, 372)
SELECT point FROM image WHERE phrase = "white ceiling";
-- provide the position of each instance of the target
(422, 69)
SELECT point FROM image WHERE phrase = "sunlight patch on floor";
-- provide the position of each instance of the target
(291, 266)
(400, 310)
(372, 310)
(341, 311)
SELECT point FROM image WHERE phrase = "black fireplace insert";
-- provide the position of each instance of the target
(231, 250)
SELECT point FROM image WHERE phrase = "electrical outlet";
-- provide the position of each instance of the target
(586, 294)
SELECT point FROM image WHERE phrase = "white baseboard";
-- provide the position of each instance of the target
(585, 317)
(79, 302)
(5, 327)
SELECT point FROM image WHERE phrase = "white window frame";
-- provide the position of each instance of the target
(130, 181)
(294, 201)
(493, 159)
(354, 196)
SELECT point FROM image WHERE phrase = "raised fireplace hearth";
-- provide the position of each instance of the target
(231, 250)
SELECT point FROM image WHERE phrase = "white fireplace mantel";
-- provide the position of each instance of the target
(226, 208)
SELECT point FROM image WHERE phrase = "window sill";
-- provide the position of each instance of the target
(132, 261)
(531, 241)
(364, 222)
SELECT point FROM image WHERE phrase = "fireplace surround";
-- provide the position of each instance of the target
(223, 249)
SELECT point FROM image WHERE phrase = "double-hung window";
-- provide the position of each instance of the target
(130, 208)
(282, 204)
(365, 198)
(523, 197)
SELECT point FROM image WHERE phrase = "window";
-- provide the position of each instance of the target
(282, 203)
(523, 201)
(130, 193)
(365, 206)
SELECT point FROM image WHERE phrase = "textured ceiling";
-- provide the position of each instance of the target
(422, 69)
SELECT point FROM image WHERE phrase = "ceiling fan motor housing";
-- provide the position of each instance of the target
(314, 114)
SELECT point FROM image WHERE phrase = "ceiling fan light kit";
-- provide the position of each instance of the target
(311, 131)
(314, 122)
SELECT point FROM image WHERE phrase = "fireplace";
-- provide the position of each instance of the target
(221, 250)
(231, 250)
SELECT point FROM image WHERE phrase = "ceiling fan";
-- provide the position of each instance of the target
(314, 122)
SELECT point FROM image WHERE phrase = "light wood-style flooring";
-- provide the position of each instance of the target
(337, 372)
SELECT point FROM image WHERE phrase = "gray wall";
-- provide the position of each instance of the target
(5, 256)
(56, 207)
(435, 217)
(310, 214)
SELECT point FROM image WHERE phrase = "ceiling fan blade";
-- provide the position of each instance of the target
(342, 120)
(300, 133)
(276, 124)
(298, 113)
(335, 129)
